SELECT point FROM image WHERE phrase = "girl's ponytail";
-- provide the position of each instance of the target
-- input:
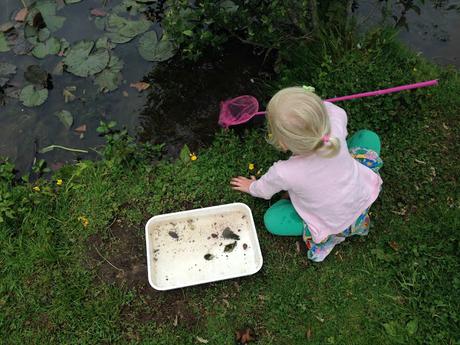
(328, 146)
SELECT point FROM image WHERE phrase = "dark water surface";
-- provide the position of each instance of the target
(182, 104)
(432, 28)
(21, 126)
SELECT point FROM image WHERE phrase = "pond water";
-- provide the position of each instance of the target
(182, 103)
(432, 27)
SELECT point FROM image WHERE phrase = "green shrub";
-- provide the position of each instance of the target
(266, 24)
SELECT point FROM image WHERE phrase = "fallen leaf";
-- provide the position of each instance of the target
(245, 335)
(176, 320)
(394, 245)
(308, 333)
(80, 129)
(140, 86)
(21, 15)
(320, 319)
(6, 27)
(98, 12)
(68, 93)
(201, 340)
(419, 161)
(125, 93)
(58, 69)
(56, 166)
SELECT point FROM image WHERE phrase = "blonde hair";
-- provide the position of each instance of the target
(298, 122)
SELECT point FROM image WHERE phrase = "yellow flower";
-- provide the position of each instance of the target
(251, 166)
(59, 182)
(36, 188)
(193, 157)
(84, 221)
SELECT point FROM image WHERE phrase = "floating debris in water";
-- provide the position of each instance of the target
(209, 257)
(174, 235)
(229, 247)
(140, 86)
(229, 234)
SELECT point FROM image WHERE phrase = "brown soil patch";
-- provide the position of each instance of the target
(119, 258)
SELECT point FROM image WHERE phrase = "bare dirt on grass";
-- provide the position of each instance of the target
(119, 258)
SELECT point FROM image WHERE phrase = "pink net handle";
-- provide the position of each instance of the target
(384, 91)
(241, 109)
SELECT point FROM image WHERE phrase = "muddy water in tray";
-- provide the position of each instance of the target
(201, 247)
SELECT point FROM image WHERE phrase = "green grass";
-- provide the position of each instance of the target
(399, 285)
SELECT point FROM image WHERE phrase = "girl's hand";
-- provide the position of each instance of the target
(241, 183)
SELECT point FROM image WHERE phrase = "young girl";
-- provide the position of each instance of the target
(331, 182)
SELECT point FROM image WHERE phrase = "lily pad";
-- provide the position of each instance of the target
(31, 96)
(3, 82)
(3, 43)
(152, 49)
(123, 27)
(44, 34)
(36, 75)
(133, 28)
(83, 61)
(109, 79)
(100, 22)
(48, 11)
(7, 68)
(103, 43)
(50, 47)
(65, 117)
(64, 46)
(31, 32)
(133, 7)
(115, 37)
(21, 45)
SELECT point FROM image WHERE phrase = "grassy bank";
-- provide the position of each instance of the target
(73, 263)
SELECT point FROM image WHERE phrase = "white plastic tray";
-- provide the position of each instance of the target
(188, 248)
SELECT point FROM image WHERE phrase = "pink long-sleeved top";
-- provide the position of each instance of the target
(329, 194)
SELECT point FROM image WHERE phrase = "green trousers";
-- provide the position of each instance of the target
(283, 220)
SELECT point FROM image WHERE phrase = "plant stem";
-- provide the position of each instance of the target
(314, 16)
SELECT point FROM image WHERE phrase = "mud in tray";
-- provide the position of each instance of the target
(201, 246)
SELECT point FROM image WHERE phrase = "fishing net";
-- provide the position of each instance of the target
(238, 110)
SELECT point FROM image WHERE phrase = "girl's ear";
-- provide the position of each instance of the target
(283, 146)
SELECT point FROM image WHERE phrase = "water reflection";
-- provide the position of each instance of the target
(431, 27)
(183, 104)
